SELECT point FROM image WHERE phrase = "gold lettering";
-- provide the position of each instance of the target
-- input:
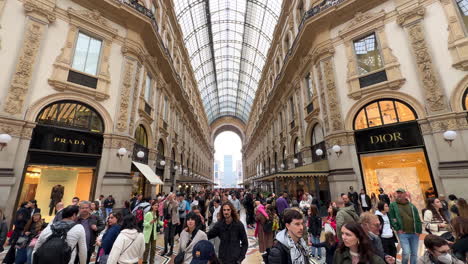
(56, 139)
(374, 139)
(69, 141)
(396, 136)
(63, 140)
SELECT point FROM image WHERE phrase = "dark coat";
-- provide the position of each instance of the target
(109, 203)
(93, 220)
(345, 258)
(279, 254)
(109, 238)
(3, 233)
(368, 201)
(234, 243)
(460, 248)
(330, 251)
(384, 197)
(22, 217)
(315, 225)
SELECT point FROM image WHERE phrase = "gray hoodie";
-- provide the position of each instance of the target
(344, 216)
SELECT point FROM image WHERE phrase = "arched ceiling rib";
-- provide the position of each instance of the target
(227, 43)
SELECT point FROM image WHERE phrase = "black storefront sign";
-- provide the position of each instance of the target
(399, 136)
(51, 138)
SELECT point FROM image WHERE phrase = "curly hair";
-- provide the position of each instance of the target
(365, 248)
(234, 214)
(437, 214)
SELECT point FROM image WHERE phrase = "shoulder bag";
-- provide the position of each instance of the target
(179, 259)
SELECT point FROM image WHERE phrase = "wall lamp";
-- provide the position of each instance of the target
(175, 167)
(162, 163)
(337, 149)
(450, 136)
(319, 152)
(140, 154)
(295, 161)
(121, 152)
(4, 140)
(282, 165)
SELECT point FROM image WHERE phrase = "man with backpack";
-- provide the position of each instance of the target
(93, 225)
(140, 210)
(291, 247)
(60, 242)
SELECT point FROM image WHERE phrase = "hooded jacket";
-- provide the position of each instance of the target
(128, 248)
(429, 259)
(76, 239)
(344, 216)
(280, 253)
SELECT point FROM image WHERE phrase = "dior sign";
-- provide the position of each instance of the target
(398, 136)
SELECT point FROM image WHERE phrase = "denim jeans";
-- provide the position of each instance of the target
(108, 211)
(316, 240)
(409, 244)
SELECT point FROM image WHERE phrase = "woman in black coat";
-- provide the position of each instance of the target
(21, 219)
(249, 210)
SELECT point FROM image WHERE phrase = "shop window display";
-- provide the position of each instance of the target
(465, 100)
(383, 112)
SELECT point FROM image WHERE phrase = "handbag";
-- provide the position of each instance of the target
(33, 242)
(22, 241)
(179, 259)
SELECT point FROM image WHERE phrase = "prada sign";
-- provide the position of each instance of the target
(66, 140)
(398, 136)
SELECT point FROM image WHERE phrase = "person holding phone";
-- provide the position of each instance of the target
(150, 225)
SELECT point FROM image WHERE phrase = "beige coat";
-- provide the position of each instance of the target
(184, 239)
(174, 211)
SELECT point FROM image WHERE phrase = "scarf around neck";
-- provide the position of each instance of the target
(298, 250)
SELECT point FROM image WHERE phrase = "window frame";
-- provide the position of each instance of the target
(378, 48)
(91, 36)
(460, 16)
(139, 132)
(148, 89)
(394, 101)
(464, 100)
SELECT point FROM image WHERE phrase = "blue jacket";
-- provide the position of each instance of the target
(109, 237)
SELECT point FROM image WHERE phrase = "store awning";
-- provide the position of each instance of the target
(148, 173)
(315, 169)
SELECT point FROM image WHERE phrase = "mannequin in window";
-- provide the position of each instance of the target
(56, 196)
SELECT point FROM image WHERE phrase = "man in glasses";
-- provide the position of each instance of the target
(371, 225)
(232, 235)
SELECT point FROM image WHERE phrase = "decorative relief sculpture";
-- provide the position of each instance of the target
(134, 99)
(435, 98)
(24, 69)
(323, 99)
(335, 113)
(125, 97)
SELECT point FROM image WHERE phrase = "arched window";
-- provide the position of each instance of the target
(465, 100)
(317, 135)
(160, 151)
(297, 147)
(71, 114)
(141, 137)
(383, 112)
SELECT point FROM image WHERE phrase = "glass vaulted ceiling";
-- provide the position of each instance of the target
(227, 41)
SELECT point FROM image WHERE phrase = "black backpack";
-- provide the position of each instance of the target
(268, 226)
(55, 249)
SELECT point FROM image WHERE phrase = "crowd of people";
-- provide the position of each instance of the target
(207, 228)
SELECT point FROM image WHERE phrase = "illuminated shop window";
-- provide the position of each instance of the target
(73, 115)
(383, 112)
(141, 137)
(465, 100)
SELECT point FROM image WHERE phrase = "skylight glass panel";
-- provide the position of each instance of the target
(227, 49)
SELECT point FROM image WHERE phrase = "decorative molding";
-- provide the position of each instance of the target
(434, 96)
(17, 128)
(457, 39)
(336, 121)
(24, 68)
(122, 119)
(40, 11)
(323, 99)
(117, 141)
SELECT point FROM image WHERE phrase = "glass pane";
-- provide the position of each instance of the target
(465, 100)
(404, 113)
(373, 115)
(148, 89)
(82, 116)
(388, 112)
(367, 54)
(360, 122)
(317, 135)
(81, 50)
(463, 6)
(96, 124)
(92, 59)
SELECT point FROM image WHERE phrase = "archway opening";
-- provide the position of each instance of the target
(228, 160)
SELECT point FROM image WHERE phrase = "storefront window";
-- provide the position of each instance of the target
(71, 114)
(383, 112)
(141, 137)
(465, 100)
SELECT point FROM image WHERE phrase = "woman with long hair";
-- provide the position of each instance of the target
(462, 207)
(330, 245)
(434, 221)
(356, 247)
(460, 230)
(190, 236)
(95, 209)
(315, 229)
(109, 237)
(129, 246)
(386, 232)
(32, 230)
(330, 223)
(150, 227)
(374, 202)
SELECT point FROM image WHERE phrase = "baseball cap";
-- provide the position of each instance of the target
(202, 252)
(400, 190)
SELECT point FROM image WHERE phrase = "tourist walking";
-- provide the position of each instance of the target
(330, 223)
(150, 231)
(249, 210)
(58, 212)
(32, 230)
(345, 215)
(405, 220)
(92, 225)
(330, 246)
(383, 196)
(22, 217)
(452, 204)
(364, 201)
(354, 198)
(231, 232)
(44, 251)
(356, 247)
(129, 246)
(190, 236)
(215, 215)
(370, 223)
(109, 237)
(171, 215)
(445, 207)
(387, 235)
(182, 210)
(291, 246)
(314, 229)
(95, 210)
(264, 228)
(281, 205)
(236, 203)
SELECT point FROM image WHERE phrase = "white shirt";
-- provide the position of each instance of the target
(387, 229)
(363, 200)
(215, 214)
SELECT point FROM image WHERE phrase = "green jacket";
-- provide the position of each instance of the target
(345, 258)
(147, 227)
(395, 218)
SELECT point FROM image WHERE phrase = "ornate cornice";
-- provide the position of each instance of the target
(40, 11)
